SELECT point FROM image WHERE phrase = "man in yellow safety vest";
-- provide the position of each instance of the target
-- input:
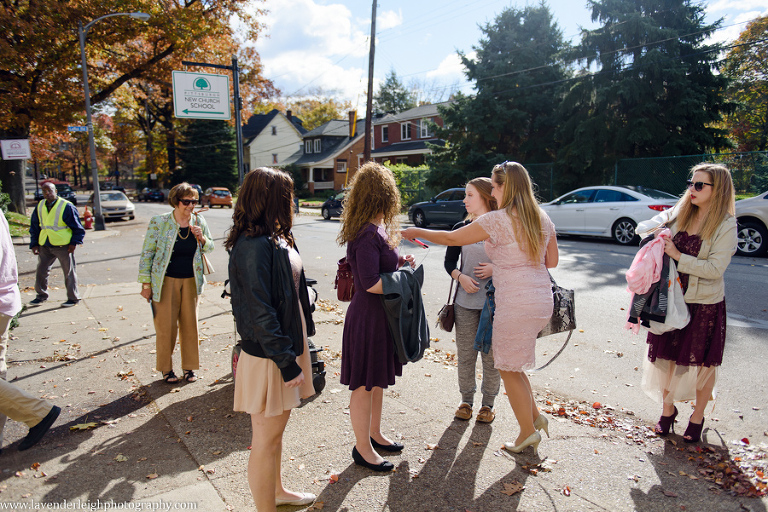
(54, 232)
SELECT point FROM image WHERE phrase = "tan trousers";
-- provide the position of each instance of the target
(177, 312)
(14, 402)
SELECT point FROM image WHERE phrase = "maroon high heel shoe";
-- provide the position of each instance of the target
(664, 424)
(693, 432)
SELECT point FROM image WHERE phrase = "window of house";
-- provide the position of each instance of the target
(321, 175)
(385, 133)
(401, 160)
(274, 130)
(274, 158)
(425, 130)
(341, 166)
(307, 146)
(405, 131)
(318, 146)
(359, 162)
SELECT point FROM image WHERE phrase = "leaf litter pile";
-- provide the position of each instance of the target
(742, 470)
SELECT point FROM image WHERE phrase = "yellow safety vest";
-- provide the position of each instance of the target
(52, 226)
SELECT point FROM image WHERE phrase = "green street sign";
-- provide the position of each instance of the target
(201, 95)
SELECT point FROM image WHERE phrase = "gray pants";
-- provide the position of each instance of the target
(466, 321)
(45, 259)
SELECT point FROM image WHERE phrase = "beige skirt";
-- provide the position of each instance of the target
(259, 386)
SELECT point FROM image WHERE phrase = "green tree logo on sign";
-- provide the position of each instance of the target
(201, 84)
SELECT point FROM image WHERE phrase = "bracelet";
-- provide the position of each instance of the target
(458, 278)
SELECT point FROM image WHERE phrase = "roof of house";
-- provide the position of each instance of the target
(413, 113)
(256, 124)
(337, 128)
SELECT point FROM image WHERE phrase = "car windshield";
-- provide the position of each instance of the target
(112, 196)
(63, 188)
(657, 194)
(340, 196)
(221, 193)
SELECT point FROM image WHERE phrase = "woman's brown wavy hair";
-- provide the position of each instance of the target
(373, 191)
(264, 206)
(722, 202)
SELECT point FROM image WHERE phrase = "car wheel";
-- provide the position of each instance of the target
(624, 231)
(419, 220)
(751, 239)
(326, 213)
(130, 217)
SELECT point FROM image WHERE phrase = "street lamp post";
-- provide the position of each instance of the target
(83, 32)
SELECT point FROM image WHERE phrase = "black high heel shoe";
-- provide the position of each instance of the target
(665, 422)
(394, 447)
(360, 461)
(693, 432)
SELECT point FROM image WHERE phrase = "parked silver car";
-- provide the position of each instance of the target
(607, 211)
(752, 214)
(114, 205)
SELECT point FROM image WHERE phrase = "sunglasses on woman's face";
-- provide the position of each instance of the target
(187, 202)
(698, 186)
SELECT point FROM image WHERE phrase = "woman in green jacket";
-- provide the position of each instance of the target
(171, 277)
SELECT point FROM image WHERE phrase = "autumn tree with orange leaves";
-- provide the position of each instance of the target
(40, 76)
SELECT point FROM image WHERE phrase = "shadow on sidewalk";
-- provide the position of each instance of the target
(447, 481)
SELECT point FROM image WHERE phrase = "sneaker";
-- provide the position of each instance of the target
(36, 301)
(70, 303)
(486, 414)
(37, 432)
(464, 412)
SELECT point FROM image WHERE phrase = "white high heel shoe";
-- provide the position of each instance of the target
(542, 423)
(532, 440)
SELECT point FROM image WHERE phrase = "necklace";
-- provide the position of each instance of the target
(188, 232)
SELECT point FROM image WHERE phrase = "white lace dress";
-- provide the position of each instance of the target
(523, 292)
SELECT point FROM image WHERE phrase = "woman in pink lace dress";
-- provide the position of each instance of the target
(520, 241)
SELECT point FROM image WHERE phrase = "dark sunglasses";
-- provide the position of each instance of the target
(698, 186)
(187, 202)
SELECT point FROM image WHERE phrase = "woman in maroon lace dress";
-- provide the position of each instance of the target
(683, 364)
(370, 229)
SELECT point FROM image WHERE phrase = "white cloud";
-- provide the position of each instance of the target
(737, 5)
(388, 19)
(450, 67)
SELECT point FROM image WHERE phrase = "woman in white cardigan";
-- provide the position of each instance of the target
(683, 364)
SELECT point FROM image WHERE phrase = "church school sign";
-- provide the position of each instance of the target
(201, 95)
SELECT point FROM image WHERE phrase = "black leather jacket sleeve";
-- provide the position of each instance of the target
(264, 303)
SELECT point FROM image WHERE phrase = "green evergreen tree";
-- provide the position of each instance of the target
(518, 74)
(650, 90)
(208, 154)
(393, 96)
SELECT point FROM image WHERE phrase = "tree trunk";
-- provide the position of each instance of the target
(12, 174)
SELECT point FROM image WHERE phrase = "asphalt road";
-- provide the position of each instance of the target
(603, 360)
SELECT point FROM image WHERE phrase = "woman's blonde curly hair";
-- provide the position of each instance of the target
(373, 191)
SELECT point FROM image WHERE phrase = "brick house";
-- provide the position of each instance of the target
(403, 137)
(331, 153)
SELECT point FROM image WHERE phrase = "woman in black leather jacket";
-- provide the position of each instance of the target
(271, 308)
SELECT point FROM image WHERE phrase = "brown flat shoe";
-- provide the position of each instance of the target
(464, 412)
(486, 414)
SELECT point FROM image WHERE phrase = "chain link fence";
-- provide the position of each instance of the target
(749, 171)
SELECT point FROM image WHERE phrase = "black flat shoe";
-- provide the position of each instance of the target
(37, 432)
(394, 447)
(384, 467)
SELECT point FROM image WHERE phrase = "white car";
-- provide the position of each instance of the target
(752, 214)
(607, 211)
(114, 205)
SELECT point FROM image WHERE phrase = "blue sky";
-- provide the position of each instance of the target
(324, 43)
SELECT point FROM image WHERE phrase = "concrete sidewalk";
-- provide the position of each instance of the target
(125, 435)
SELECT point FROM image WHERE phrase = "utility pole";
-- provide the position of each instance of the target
(369, 104)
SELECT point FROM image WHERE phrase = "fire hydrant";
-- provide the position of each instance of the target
(87, 219)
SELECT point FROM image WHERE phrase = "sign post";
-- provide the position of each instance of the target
(200, 102)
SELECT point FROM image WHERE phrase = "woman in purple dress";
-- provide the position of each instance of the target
(369, 228)
(682, 364)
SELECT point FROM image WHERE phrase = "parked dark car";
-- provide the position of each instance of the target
(332, 206)
(151, 194)
(446, 208)
(63, 190)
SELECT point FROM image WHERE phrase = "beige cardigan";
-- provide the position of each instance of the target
(706, 284)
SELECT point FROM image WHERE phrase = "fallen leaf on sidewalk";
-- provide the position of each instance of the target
(84, 426)
(34, 466)
(121, 458)
(152, 476)
(567, 491)
(432, 446)
(317, 506)
(512, 488)
(669, 494)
